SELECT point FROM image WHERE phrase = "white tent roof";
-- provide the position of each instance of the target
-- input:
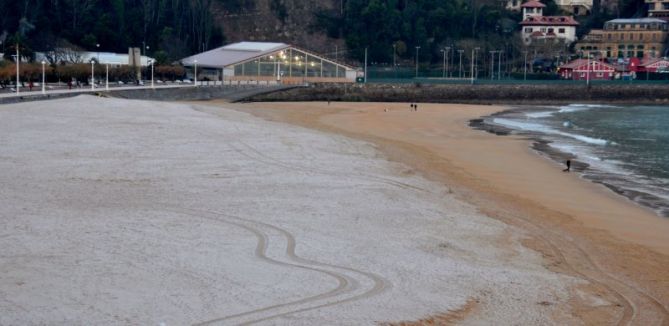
(233, 53)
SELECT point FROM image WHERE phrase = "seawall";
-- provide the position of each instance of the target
(475, 94)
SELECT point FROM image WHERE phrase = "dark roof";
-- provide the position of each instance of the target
(550, 21)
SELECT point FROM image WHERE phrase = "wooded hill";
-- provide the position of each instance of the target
(172, 29)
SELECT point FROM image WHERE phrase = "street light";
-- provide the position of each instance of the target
(492, 64)
(43, 77)
(525, 67)
(97, 45)
(195, 74)
(107, 77)
(461, 52)
(473, 63)
(151, 62)
(92, 75)
(417, 48)
(394, 52)
(499, 66)
(18, 60)
(448, 49)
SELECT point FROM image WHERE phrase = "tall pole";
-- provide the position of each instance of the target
(394, 52)
(460, 52)
(18, 60)
(587, 70)
(499, 66)
(365, 65)
(107, 77)
(43, 78)
(525, 67)
(152, 85)
(195, 74)
(417, 48)
(448, 49)
(443, 68)
(473, 63)
(492, 65)
(92, 75)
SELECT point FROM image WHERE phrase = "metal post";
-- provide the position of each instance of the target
(492, 65)
(92, 75)
(43, 78)
(460, 52)
(448, 49)
(394, 59)
(525, 67)
(152, 85)
(195, 73)
(18, 60)
(473, 63)
(417, 48)
(107, 77)
(499, 66)
(443, 67)
(365, 65)
(587, 71)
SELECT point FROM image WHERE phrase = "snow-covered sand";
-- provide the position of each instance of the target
(129, 212)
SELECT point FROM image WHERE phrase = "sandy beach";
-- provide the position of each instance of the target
(618, 249)
(132, 212)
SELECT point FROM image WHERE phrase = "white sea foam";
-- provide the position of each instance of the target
(528, 126)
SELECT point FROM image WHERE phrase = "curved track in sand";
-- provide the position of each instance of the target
(349, 281)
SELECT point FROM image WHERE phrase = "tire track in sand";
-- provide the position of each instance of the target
(347, 284)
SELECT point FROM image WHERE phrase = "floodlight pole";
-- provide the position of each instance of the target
(461, 52)
(195, 73)
(365, 65)
(92, 75)
(43, 78)
(107, 77)
(18, 60)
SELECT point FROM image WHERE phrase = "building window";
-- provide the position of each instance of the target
(528, 30)
(631, 37)
(550, 30)
(608, 35)
(582, 75)
(600, 74)
(561, 30)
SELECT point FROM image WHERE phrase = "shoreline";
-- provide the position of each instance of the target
(581, 229)
(541, 145)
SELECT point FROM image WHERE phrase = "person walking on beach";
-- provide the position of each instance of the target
(568, 163)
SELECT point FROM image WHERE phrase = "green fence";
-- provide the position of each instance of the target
(404, 75)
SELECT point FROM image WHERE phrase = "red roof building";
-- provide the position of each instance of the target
(654, 65)
(582, 69)
(537, 26)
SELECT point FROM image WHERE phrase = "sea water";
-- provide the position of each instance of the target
(626, 148)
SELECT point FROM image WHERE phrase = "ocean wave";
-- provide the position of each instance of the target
(528, 126)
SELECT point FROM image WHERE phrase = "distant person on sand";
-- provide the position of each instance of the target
(568, 163)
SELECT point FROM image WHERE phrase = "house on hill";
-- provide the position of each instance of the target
(536, 26)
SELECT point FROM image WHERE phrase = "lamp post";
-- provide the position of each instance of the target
(492, 64)
(473, 63)
(448, 49)
(365, 65)
(107, 77)
(394, 60)
(443, 68)
(43, 77)
(92, 75)
(417, 48)
(195, 74)
(525, 67)
(151, 62)
(499, 66)
(18, 60)
(461, 52)
(97, 45)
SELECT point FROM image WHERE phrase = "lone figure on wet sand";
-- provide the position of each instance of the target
(568, 163)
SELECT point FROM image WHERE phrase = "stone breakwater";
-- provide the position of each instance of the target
(475, 94)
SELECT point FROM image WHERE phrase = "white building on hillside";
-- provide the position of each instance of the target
(536, 26)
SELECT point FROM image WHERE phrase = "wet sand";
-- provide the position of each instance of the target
(620, 250)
